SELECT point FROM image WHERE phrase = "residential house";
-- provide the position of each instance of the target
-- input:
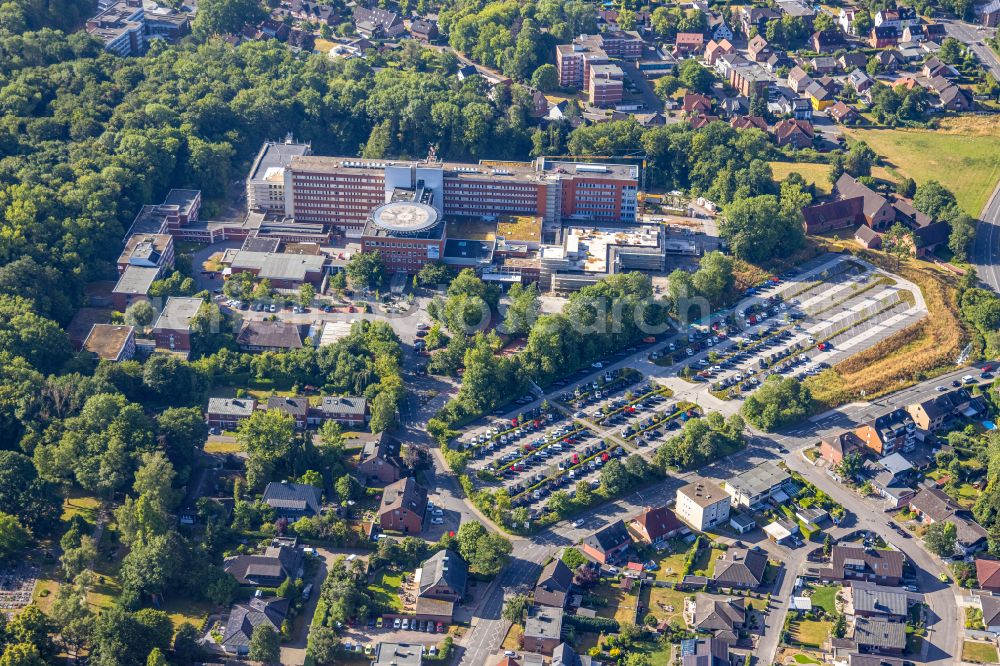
(172, 330)
(564, 655)
(932, 413)
(699, 121)
(705, 652)
(404, 504)
(956, 99)
(897, 17)
(268, 569)
(740, 568)
(889, 433)
(605, 85)
(879, 636)
(795, 133)
(934, 32)
(775, 62)
(758, 49)
(721, 615)
(797, 9)
(654, 526)
(554, 585)
(988, 574)
(988, 13)
(604, 544)
(695, 103)
(872, 209)
(827, 41)
(823, 65)
(399, 654)
(811, 516)
(424, 29)
(878, 602)
(932, 505)
(781, 531)
(543, 630)
(718, 28)
(758, 485)
(380, 459)
(845, 19)
(716, 49)
(798, 80)
(702, 504)
(259, 335)
(110, 342)
(851, 61)
(726, 62)
(844, 114)
(820, 96)
(860, 81)
(788, 102)
(440, 584)
(297, 408)
(227, 413)
(889, 60)
(748, 122)
(348, 411)
(245, 617)
(689, 43)
(882, 37)
(851, 563)
(989, 604)
(377, 23)
(756, 17)
(293, 500)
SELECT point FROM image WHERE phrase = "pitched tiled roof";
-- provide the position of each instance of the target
(740, 567)
(888, 563)
(404, 494)
(293, 496)
(608, 538)
(658, 522)
(244, 618)
(879, 600)
(444, 567)
(879, 633)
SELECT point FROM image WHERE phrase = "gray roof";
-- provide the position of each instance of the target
(554, 584)
(759, 479)
(231, 406)
(879, 633)
(279, 265)
(991, 609)
(275, 562)
(244, 618)
(879, 600)
(544, 623)
(404, 494)
(704, 652)
(344, 404)
(444, 567)
(273, 334)
(293, 496)
(183, 199)
(564, 655)
(136, 280)
(398, 654)
(178, 313)
(717, 613)
(740, 567)
(293, 406)
(276, 155)
(609, 537)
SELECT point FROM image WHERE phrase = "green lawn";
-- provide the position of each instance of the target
(982, 653)
(184, 610)
(705, 564)
(825, 597)
(216, 446)
(804, 659)
(665, 603)
(76, 503)
(810, 633)
(671, 565)
(963, 155)
(385, 589)
(814, 173)
(619, 604)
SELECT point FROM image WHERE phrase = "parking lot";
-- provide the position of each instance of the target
(791, 328)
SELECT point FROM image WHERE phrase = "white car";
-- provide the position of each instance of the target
(578, 522)
(437, 520)
(940, 388)
(437, 512)
(597, 365)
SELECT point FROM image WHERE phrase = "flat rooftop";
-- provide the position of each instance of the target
(136, 280)
(274, 157)
(183, 199)
(759, 479)
(107, 340)
(178, 312)
(589, 246)
(279, 265)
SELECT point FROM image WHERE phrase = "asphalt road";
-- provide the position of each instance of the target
(986, 248)
(975, 39)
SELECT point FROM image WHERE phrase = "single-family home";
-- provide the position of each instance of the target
(988, 574)
(833, 449)
(404, 504)
(721, 615)
(879, 636)
(843, 114)
(440, 581)
(247, 616)
(989, 604)
(293, 500)
(851, 61)
(554, 584)
(758, 49)
(851, 563)
(267, 569)
(689, 43)
(956, 99)
(795, 133)
(297, 408)
(882, 37)
(604, 544)
(705, 652)
(827, 41)
(860, 81)
(695, 103)
(740, 568)
(380, 459)
(932, 505)
(348, 411)
(878, 602)
(654, 526)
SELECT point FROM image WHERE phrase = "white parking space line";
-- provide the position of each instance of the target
(874, 330)
(828, 295)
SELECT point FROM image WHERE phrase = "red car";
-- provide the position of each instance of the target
(604, 456)
(576, 458)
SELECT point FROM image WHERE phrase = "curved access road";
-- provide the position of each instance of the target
(986, 247)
